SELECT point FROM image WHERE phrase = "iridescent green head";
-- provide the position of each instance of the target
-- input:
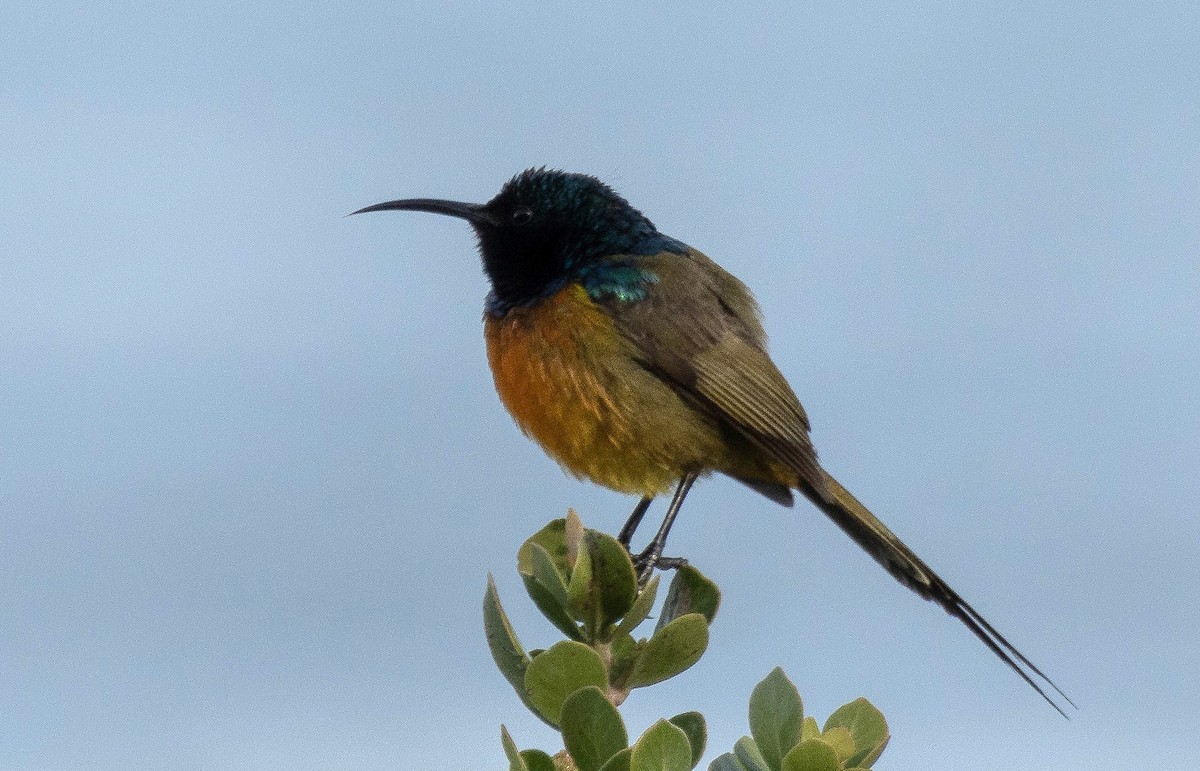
(545, 228)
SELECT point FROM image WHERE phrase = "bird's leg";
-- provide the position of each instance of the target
(635, 519)
(652, 556)
(631, 525)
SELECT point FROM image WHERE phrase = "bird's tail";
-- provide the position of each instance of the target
(888, 550)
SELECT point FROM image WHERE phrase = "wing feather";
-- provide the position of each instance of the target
(699, 329)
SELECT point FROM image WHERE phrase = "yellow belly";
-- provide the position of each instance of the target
(571, 382)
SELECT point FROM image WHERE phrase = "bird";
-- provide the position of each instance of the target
(639, 363)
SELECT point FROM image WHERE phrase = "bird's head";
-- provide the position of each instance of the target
(543, 228)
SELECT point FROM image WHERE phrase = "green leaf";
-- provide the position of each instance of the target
(726, 762)
(748, 755)
(603, 585)
(842, 742)
(692, 724)
(553, 539)
(546, 587)
(671, 650)
(561, 670)
(592, 729)
(506, 649)
(623, 653)
(537, 760)
(640, 610)
(868, 727)
(776, 717)
(578, 589)
(534, 561)
(663, 747)
(810, 729)
(811, 755)
(515, 761)
(619, 762)
(690, 592)
(613, 576)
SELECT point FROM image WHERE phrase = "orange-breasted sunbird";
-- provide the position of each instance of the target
(637, 362)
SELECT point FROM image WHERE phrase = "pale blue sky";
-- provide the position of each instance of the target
(253, 472)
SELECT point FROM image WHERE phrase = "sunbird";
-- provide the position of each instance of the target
(637, 362)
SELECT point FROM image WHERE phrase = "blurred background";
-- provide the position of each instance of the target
(253, 472)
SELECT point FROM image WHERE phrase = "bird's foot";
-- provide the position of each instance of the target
(646, 562)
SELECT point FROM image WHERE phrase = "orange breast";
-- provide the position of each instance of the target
(572, 383)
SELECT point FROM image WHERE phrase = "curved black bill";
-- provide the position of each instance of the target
(471, 212)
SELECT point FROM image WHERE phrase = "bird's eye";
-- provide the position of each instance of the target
(522, 215)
